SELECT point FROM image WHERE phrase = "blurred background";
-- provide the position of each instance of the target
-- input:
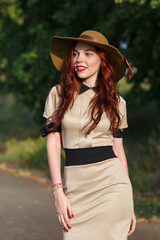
(27, 74)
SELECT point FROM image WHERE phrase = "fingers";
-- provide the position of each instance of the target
(70, 213)
(60, 221)
(64, 221)
(130, 231)
(133, 225)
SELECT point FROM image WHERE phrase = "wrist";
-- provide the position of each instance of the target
(57, 192)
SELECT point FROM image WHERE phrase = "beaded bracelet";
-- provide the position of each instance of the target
(56, 186)
(60, 186)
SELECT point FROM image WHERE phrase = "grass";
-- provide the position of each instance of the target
(28, 154)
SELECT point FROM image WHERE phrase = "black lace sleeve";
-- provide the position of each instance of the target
(46, 129)
(120, 133)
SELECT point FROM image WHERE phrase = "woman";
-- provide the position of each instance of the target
(95, 200)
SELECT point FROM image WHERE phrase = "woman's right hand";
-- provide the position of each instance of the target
(63, 208)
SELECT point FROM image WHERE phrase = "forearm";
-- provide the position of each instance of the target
(54, 156)
(119, 151)
(122, 157)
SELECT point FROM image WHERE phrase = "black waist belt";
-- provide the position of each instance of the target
(79, 156)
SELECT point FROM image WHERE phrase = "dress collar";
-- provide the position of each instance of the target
(85, 88)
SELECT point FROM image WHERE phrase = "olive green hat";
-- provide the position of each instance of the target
(61, 46)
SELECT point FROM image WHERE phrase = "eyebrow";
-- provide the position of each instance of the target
(85, 50)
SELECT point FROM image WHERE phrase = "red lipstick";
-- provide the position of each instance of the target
(80, 68)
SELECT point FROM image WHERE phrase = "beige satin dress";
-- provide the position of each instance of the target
(100, 193)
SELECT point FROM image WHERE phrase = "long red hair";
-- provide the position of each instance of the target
(105, 99)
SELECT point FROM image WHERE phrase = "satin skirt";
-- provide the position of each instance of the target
(101, 199)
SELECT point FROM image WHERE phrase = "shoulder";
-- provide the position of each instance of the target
(122, 100)
(55, 89)
(122, 104)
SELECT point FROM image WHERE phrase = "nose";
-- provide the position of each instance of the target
(79, 57)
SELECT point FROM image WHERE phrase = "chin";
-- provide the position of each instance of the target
(82, 76)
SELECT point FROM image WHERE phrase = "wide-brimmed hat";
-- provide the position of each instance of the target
(60, 48)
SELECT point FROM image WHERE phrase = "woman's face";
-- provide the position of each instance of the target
(86, 61)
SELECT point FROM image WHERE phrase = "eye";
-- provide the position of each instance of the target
(88, 54)
(74, 53)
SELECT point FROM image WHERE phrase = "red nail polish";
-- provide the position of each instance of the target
(72, 215)
(70, 227)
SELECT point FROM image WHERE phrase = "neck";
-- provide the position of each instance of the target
(89, 83)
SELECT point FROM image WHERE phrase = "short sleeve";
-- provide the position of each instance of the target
(123, 122)
(49, 108)
(123, 111)
(50, 104)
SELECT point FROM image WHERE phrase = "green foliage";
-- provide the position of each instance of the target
(25, 61)
(152, 3)
(32, 157)
(143, 151)
(26, 28)
(16, 120)
(136, 25)
(147, 209)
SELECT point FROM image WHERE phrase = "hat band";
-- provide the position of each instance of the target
(88, 37)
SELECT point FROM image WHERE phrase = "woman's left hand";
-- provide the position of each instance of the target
(133, 225)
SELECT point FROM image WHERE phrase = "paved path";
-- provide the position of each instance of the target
(27, 212)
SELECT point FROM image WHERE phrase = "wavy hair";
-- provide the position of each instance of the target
(105, 99)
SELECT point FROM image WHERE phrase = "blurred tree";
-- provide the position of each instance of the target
(27, 26)
(135, 30)
(25, 67)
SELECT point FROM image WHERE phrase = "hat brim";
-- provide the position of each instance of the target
(60, 48)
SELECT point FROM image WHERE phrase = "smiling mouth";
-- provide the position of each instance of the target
(80, 69)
